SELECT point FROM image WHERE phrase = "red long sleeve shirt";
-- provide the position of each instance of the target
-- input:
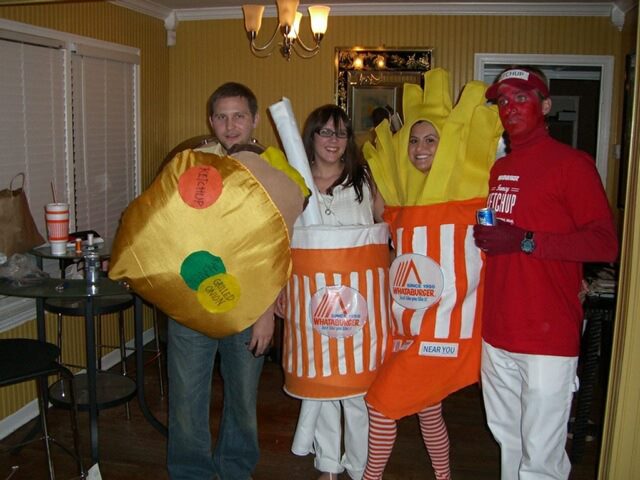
(531, 302)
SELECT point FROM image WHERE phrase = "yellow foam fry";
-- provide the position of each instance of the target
(434, 102)
(382, 164)
(437, 96)
(446, 181)
(482, 142)
(438, 181)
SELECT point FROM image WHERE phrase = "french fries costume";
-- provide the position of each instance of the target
(436, 278)
(208, 241)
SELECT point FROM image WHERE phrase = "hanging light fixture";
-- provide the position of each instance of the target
(288, 26)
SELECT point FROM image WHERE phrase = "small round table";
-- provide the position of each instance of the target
(70, 255)
(90, 387)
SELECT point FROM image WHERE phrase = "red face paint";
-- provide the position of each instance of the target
(521, 111)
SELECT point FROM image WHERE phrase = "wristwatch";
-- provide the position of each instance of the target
(527, 245)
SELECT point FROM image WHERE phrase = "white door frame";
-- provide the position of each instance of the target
(604, 62)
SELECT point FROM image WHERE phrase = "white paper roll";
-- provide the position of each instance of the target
(285, 121)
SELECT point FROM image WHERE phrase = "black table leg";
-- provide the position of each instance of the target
(138, 321)
(588, 375)
(91, 378)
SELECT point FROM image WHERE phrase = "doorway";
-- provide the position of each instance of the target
(582, 87)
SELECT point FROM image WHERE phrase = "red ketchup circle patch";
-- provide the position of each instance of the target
(200, 186)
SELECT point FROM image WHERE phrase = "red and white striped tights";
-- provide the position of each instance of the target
(382, 436)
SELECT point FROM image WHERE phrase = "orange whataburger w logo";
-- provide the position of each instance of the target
(338, 311)
(405, 270)
(416, 281)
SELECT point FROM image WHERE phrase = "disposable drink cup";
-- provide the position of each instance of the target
(58, 248)
(57, 220)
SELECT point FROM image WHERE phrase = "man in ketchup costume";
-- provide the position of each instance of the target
(553, 215)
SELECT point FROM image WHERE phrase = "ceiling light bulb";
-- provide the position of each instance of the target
(319, 18)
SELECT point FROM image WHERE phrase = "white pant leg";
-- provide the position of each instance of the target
(545, 384)
(327, 440)
(501, 390)
(306, 427)
(356, 432)
(548, 386)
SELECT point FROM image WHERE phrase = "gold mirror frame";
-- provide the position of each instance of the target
(367, 78)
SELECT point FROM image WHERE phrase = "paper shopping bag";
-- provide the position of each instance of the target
(19, 233)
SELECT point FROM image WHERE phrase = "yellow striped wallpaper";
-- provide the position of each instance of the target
(176, 81)
(209, 53)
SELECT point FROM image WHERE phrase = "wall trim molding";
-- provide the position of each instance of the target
(615, 10)
(571, 9)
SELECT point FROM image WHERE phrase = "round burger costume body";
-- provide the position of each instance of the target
(208, 241)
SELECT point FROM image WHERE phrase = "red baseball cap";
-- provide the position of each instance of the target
(518, 77)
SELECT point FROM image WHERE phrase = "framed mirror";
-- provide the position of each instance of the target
(368, 78)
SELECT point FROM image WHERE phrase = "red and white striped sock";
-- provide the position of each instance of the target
(436, 439)
(382, 436)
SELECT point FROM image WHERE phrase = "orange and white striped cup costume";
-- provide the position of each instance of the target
(436, 350)
(339, 286)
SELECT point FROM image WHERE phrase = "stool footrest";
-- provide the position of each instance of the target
(112, 389)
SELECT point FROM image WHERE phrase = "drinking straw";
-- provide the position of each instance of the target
(53, 192)
(285, 120)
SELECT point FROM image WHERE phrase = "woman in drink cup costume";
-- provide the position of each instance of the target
(432, 175)
(336, 304)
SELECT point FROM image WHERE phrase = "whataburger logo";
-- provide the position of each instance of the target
(338, 311)
(417, 281)
(405, 270)
(331, 302)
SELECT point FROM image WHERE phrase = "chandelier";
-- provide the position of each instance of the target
(288, 26)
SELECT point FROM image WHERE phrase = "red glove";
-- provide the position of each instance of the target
(499, 239)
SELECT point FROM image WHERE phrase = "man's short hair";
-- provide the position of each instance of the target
(525, 77)
(233, 89)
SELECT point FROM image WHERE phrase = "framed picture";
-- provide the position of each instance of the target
(367, 78)
(365, 99)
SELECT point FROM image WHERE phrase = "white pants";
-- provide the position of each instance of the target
(528, 401)
(319, 430)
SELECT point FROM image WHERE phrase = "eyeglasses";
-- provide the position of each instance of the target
(328, 133)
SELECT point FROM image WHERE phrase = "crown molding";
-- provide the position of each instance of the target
(615, 10)
(148, 7)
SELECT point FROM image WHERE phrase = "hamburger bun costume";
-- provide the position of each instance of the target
(208, 241)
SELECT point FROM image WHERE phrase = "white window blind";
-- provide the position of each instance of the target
(104, 142)
(32, 138)
(68, 118)
(33, 123)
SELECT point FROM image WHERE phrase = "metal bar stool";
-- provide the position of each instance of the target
(104, 306)
(25, 359)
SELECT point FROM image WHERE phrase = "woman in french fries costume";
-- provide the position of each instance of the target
(436, 277)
